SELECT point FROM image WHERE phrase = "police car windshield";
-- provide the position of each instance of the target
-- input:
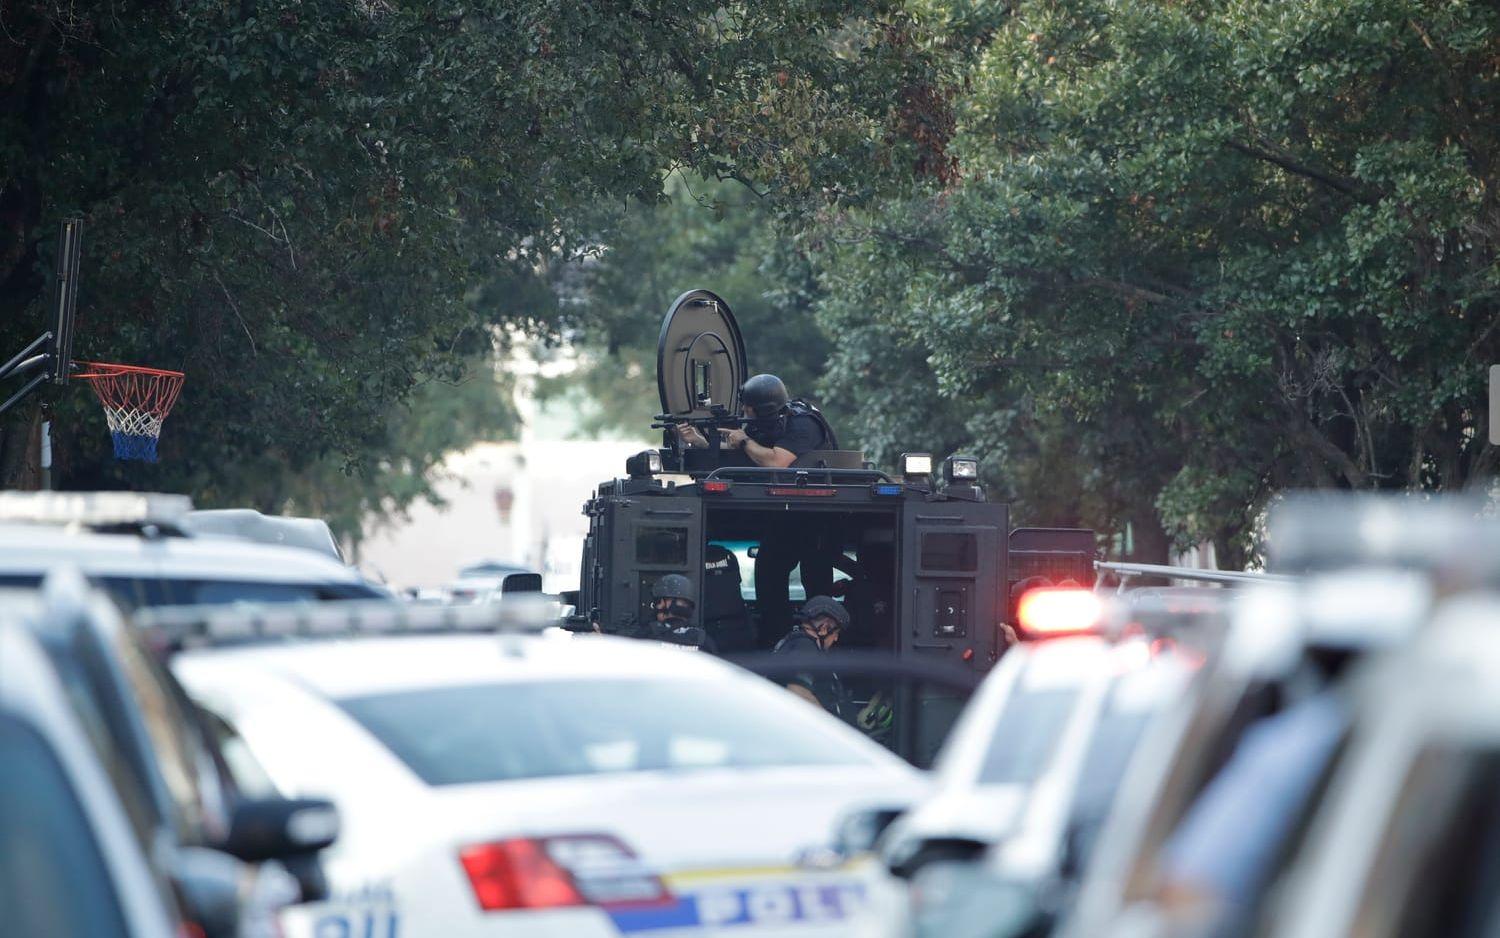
(504, 732)
(1026, 735)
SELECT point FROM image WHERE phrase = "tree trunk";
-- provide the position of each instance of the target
(1150, 543)
(20, 446)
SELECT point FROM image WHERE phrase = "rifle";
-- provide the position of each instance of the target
(719, 418)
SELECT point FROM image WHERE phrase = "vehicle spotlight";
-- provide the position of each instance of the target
(961, 469)
(643, 465)
(916, 465)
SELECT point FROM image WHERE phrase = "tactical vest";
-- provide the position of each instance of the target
(798, 406)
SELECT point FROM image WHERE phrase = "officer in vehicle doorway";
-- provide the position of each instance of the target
(779, 431)
(819, 624)
(673, 601)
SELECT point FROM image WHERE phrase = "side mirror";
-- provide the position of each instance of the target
(280, 828)
(859, 830)
(208, 884)
(521, 583)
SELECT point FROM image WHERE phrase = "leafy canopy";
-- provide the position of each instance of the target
(1213, 250)
(297, 201)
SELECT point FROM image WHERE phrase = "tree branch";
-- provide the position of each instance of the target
(1286, 161)
(235, 307)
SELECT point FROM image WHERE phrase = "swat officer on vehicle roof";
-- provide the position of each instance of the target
(779, 429)
(778, 432)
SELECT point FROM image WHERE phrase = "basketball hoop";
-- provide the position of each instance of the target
(136, 400)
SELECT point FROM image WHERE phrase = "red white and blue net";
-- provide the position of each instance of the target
(136, 400)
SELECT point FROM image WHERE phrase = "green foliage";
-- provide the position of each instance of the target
(295, 201)
(714, 235)
(1198, 253)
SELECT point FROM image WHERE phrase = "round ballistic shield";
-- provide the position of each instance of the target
(700, 358)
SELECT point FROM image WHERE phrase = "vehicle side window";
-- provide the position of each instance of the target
(185, 764)
(658, 545)
(1438, 865)
(53, 880)
(102, 734)
(249, 775)
(133, 593)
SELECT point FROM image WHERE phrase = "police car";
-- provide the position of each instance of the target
(540, 784)
(232, 860)
(1406, 840)
(1023, 882)
(1008, 743)
(72, 867)
(134, 547)
(1368, 571)
(250, 525)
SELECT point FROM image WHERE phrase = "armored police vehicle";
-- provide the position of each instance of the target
(922, 561)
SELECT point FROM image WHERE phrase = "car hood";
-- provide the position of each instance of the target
(681, 820)
(985, 814)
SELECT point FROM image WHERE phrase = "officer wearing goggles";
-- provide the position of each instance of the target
(673, 602)
(820, 623)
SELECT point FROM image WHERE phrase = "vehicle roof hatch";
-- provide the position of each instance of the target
(700, 357)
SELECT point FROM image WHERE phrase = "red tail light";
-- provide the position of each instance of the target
(517, 874)
(554, 872)
(1049, 612)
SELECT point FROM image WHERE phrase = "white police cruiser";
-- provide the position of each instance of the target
(539, 784)
(134, 546)
(1406, 838)
(72, 867)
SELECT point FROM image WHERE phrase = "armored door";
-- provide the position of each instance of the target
(650, 537)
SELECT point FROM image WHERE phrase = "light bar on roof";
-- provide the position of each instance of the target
(1051, 611)
(193, 626)
(94, 509)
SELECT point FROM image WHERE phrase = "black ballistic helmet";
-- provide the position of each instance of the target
(824, 606)
(765, 395)
(674, 586)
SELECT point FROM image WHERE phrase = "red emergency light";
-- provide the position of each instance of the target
(1050, 612)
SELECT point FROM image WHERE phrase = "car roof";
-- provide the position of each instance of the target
(337, 668)
(250, 525)
(34, 549)
(485, 568)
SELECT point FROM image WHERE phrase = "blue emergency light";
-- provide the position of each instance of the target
(886, 488)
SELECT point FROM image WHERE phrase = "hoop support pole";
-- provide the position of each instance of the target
(30, 386)
(16, 363)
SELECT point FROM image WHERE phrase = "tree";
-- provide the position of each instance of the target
(715, 235)
(1214, 250)
(296, 201)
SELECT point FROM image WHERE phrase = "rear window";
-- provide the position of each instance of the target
(52, 877)
(661, 546)
(955, 552)
(501, 732)
(1026, 735)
